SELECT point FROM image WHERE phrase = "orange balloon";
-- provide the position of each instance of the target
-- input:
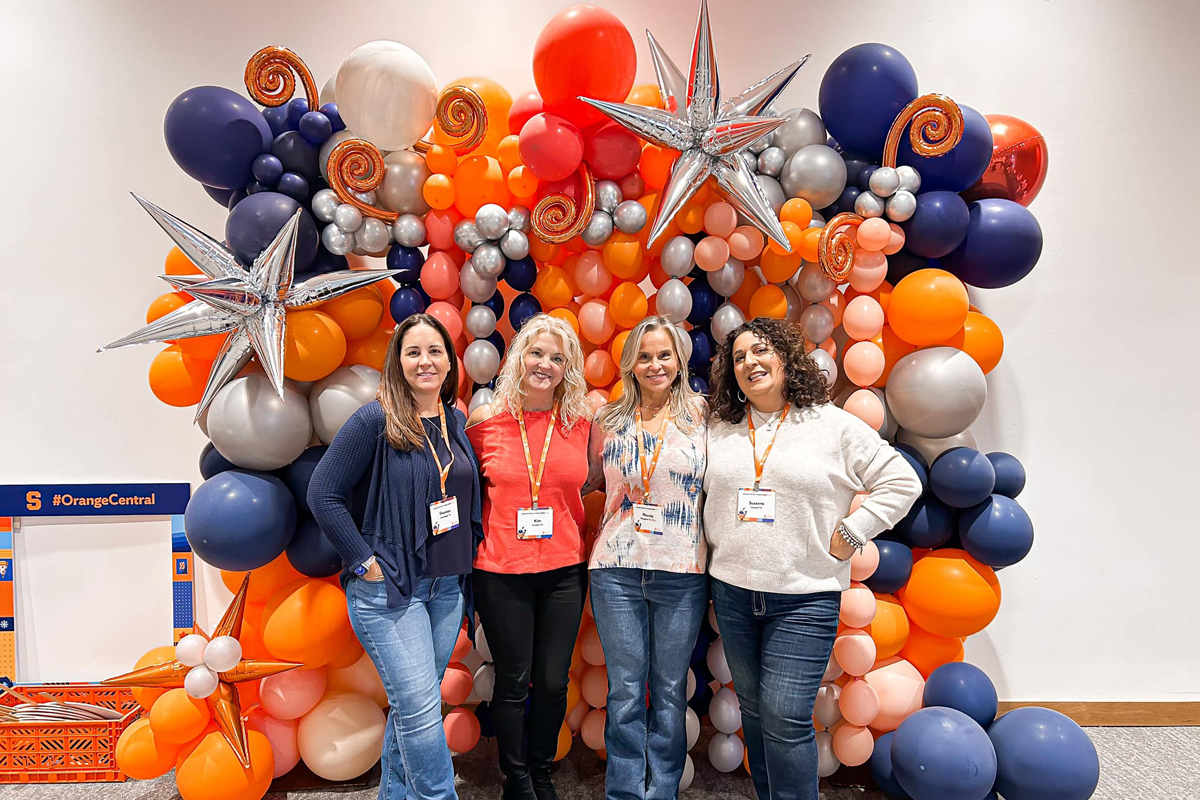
(810, 239)
(750, 285)
(203, 348)
(522, 182)
(568, 315)
(889, 628)
(166, 303)
(795, 235)
(655, 165)
(882, 294)
(894, 348)
(628, 304)
(797, 211)
(349, 655)
(927, 652)
(438, 191)
(623, 254)
(981, 339)
(178, 379)
(928, 306)
(177, 717)
(553, 287)
(456, 685)
(441, 160)
(951, 594)
(690, 218)
(369, 351)
(565, 740)
(179, 264)
(146, 697)
(777, 268)
(306, 621)
(616, 391)
(477, 182)
(508, 154)
(264, 581)
(769, 301)
(462, 730)
(617, 347)
(645, 94)
(543, 251)
(210, 770)
(251, 636)
(143, 756)
(497, 102)
(357, 313)
(599, 369)
(315, 346)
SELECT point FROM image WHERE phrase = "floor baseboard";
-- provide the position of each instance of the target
(1131, 714)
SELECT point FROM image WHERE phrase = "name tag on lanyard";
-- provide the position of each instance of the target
(536, 522)
(648, 518)
(443, 515)
(758, 504)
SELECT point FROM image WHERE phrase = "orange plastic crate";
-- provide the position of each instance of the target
(66, 752)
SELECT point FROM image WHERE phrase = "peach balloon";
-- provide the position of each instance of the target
(342, 737)
(745, 243)
(711, 253)
(867, 406)
(868, 272)
(177, 717)
(863, 363)
(292, 694)
(591, 276)
(595, 322)
(594, 686)
(951, 594)
(900, 688)
(592, 730)
(306, 622)
(456, 685)
(720, 219)
(854, 651)
(852, 744)
(281, 734)
(361, 677)
(895, 240)
(863, 318)
(769, 301)
(836, 303)
(864, 564)
(873, 234)
(141, 755)
(577, 714)
(596, 399)
(858, 606)
(210, 770)
(462, 730)
(859, 702)
(590, 648)
(890, 628)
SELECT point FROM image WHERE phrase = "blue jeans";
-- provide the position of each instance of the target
(411, 646)
(648, 621)
(778, 646)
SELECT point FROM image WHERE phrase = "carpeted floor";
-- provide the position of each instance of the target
(1151, 763)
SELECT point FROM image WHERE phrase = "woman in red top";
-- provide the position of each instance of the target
(530, 576)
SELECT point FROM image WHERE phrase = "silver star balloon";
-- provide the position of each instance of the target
(251, 305)
(709, 134)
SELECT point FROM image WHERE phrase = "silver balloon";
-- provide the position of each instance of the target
(932, 448)
(514, 245)
(817, 322)
(761, 144)
(254, 427)
(826, 364)
(483, 397)
(890, 426)
(795, 304)
(480, 321)
(910, 179)
(936, 392)
(338, 395)
(826, 710)
(674, 300)
(686, 355)
(728, 279)
(869, 205)
(327, 91)
(598, 229)
(347, 218)
(518, 219)
(818, 220)
(802, 128)
(816, 173)
(771, 161)
(467, 236)
(373, 235)
(409, 230)
(491, 221)
(813, 284)
(827, 762)
(749, 159)
(901, 206)
(608, 196)
(481, 360)
(367, 197)
(772, 191)
(327, 148)
(630, 216)
(725, 319)
(324, 204)
(488, 260)
(336, 240)
(678, 256)
(475, 287)
(884, 181)
(403, 180)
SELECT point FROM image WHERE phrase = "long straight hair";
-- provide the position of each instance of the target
(403, 426)
(571, 392)
(684, 402)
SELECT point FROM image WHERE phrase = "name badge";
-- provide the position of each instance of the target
(756, 505)
(535, 523)
(648, 518)
(443, 515)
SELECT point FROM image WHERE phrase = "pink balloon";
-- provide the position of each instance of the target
(291, 694)
(589, 646)
(594, 687)
(632, 186)
(859, 702)
(591, 276)
(448, 315)
(439, 276)
(864, 564)
(858, 606)
(576, 715)
(867, 406)
(869, 271)
(595, 322)
(745, 243)
(896, 240)
(550, 146)
(720, 219)
(863, 363)
(462, 730)
(900, 688)
(592, 730)
(711, 253)
(863, 318)
(836, 303)
(597, 398)
(874, 234)
(456, 685)
(855, 651)
(853, 744)
(282, 736)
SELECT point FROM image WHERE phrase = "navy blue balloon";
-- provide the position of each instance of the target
(938, 225)
(845, 201)
(222, 196)
(1010, 475)
(702, 349)
(915, 460)
(257, 187)
(240, 520)
(315, 127)
(957, 170)
(942, 754)
(929, 523)
(483, 713)
(495, 303)
(962, 477)
(297, 155)
(963, 687)
(904, 263)
(705, 301)
(523, 307)
(895, 567)
(881, 768)
(311, 552)
(424, 294)
(214, 135)
(297, 474)
(408, 260)
(698, 384)
(330, 110)
(862, 92)
(297, 107)
(520, 273)
(996, 532)
(277, 120)
(324, 262)
(404, 303)
(294, 186)
(497, 340)
(1003, 244)
(255, 221)
(212, 462)
(702, 698)
(267, 169)
(1043, 755)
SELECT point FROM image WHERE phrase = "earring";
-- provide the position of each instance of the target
(741, 396)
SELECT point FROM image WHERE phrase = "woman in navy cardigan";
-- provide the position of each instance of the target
(398, 495)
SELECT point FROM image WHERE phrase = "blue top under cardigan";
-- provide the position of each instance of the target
(372, 499)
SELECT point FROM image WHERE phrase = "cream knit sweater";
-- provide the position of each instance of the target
(822, 457)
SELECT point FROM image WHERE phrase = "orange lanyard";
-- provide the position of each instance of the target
(647, 474)
(535, 479)
(443, 472)
(760, 463)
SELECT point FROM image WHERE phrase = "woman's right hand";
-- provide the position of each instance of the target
(374, 574)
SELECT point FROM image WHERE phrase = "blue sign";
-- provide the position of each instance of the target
(93, 499)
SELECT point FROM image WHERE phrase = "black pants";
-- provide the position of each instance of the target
(531, 622)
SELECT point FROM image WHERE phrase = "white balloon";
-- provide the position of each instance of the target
(485, 682)
(342, 737)
(386, 94)
(725, 752)
(725, 711)
(936, 392)
(252, 427)
(691, 684)
(200, 682)
(692, 724)
(825, 709)
(827, 762)
(718, 667)
(689, 773)
(190, 650)
(327, 93)
(472, 661)
(481, 644)
(338, 395)
(222, 654)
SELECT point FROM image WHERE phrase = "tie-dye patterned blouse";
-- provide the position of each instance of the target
(676, 486)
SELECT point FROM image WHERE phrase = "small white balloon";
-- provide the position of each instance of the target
(485, 682)
(674, 300)
(223, 653)
(725, 319)
(190, 650)
(327, 148)
(200, 682)
(481, 644)
(475, 287)
(689, 773)
(718, 667)
(686, 355)
(678, 256)
(725, 711)
(692, 724)
(725, 752)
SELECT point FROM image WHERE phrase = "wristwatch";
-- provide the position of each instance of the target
(362, 568)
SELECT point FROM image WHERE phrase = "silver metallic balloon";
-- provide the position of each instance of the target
(884, 181)
(674, 300)
(749, 159)
(932, 448)
(347, 218)
(327, 148)
(630, 216)
(772, 191)
(480, 321)
(901, 206)
(518, 219)
(467, 236)
(367, 197)
(869, 205)
(336, 240)
(374, 236)
(254, 427)
(936, 392)
(817, 323)
(802, 128)
(758, 145)
(608, 196)
(826, 364)
(890, 426)
(725, 319)
(818, 220)
(491, 221)
(324, 204)
(482, 397)
(488, 260)
(771, 161)
(599, 229)
(910, 179)
(481, 360)
(514, 245)
(338, 395)
(813, 284)
(403, 181)
(678, 256)
(816, 173)
(795, 304)
(409, 230)
(728, 279)
(686, 355)
(475, 287)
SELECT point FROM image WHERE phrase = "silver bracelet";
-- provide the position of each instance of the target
(850, 538)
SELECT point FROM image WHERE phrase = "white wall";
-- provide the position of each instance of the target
(1099, 372)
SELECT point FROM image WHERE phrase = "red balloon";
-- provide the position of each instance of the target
(611, 151)
(523, 108)
(550, 146)
(583, 51)
(1019, 162)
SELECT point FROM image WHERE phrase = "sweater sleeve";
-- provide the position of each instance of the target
(890, 482)
(341, 468)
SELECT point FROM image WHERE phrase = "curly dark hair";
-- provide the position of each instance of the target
(805, 383)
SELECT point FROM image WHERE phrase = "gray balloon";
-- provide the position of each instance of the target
(803, 128)
(686, 355)
(374, 236)
(749, 159)
(725, 319)
(728, 279)
(324, 204)
(630, 216)
(678, 256)
(338, 395)
(367, 197)
(252, 427)
(869, 205)
(884, 181)
(327, 148)
(910, 179)
(818, 220)
(932, 448)
(409, 230)
(336, 240)
(936, 392)
(488, 260)
(608, 196)
(347, 218)
(483, 397)
(480, 321)
(901, 206)
(674, 300)
(795, 304)
(816, 173)
(598, 229)
(327, 91)
(467, 236)
(403, 179)
(772, 191)
(514, 245)
(771, 161)
(813, 284)
(475, 287)
(817, 323)
(481, 360)
(890, 426)
(491, 221)
(518, 219)
(826, 364)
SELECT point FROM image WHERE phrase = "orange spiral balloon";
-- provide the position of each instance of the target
(835, 253)
(356, 165)
(937, 128)
(269, 77)
(460, 112)
(557, 219)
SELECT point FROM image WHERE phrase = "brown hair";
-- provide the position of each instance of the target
(402, 425)
(804, 383)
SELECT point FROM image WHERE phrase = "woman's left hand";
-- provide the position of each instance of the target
(839, 548)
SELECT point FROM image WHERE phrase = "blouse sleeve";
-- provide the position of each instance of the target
(889, 480)
(341, 468)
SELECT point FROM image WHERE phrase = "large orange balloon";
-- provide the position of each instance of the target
(204, 348)
(645, 94)
(568, 316)
(927, 652)
(496, 100)
(178, 379)
(306, 622)
(981, 339)
(177, 717)
(477, 182)
(264, 581)
(750, 285)
(159, 655)
(769, 301)
(627, 304)
(371, 350)
(357, 313)
(553, 287)
(951, 594)
(210, 770)
(623, 254)
(928, 306)
(655, 165)
(141, 755)
(315, 346)
(889, 628)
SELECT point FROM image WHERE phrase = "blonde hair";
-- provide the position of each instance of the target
(684, 402)
(571, 392)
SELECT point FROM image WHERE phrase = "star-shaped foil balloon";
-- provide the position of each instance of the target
(251, 305)
(224, 704)
(709, 134)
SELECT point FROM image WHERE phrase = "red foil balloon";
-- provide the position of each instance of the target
(1019, 162)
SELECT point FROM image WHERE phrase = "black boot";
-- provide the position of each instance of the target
(518, 789)
(543, 787)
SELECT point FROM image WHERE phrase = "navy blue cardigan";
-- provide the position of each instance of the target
(371, 499)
